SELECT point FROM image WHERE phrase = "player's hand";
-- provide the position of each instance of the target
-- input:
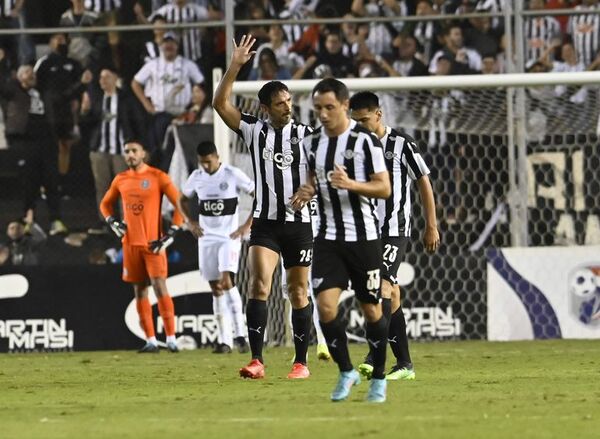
(117, 226)
(241, 231)
(340, 179)
(431, 239)
(167, 239)
(195, 228)
(242, 53)
(302, 196)
(149, 107)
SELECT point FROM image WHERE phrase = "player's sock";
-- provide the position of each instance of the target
(377, 338)
(221, 311)
(386, 307)
(398, 339)
(256, 316)
(152, 340)
(337, 342)
(167, 312)
(237, 314)
(317, 324)
(144, 310)
(171, 339)
(301, 329)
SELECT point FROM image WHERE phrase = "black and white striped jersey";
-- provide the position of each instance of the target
(585, 32)
(405, 164)
(102, 5)
(111, 133)
(539, 32)
(151, 50)
(169, 83)
(6, 7)
(280, 166)
(189, 13)
(491, 6)
(344, 215)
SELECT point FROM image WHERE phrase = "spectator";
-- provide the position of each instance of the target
(85, 48)
(427, 33)
(105, 9)
(61, 81)
(351, 37)
(24, 243)
(268, 68)
(494, 6)
(111, 116)
(152, 47)
(172, 78)
(464, 59)
(340, 65)
(585, 31)
(29, 134)
(540, 32)
(489, 65)
(12, 16)
(281, 49)
(407, 63)
(482, 36)
(381, 35)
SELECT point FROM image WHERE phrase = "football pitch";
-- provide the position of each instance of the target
(463, 390)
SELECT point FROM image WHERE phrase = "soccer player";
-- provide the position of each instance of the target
(404, 164)
(141, 189)
(280, 167)
(217, 187)
(347, 163)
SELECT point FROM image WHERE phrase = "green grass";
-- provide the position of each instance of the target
(462, 390)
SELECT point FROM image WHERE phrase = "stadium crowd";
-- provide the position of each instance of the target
(78, 91)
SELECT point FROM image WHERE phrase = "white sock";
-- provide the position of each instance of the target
(315, 316)
(237, 314)
(152, 340)
(171, 339)
(221, 311)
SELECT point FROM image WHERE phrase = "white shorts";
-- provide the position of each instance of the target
(216, 257)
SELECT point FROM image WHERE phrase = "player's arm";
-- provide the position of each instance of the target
(107, 209)
(431, 236)
(169, 189)
(378, 185)
(305, 192)
(193, 225)
(221, 101)
(244, 229)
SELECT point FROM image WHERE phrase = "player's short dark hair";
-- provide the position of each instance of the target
(336, 86)
(206, 148)
(364, 99)
(134, 140)
(271, 88)
(158, 17)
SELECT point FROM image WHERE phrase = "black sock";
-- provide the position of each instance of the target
(301, 319)
(386, 307)
(398, 339)
(377, 339)
(256, 316)
(337, 342)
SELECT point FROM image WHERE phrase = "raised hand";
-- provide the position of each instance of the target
(242, 53)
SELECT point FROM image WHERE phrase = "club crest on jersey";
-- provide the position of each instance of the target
(223, 186)
(145, 183)
(294, 140)
(349, 154)
(283, 160)
(390, 155)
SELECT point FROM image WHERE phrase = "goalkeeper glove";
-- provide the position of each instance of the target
(167, 239)
(118, 227)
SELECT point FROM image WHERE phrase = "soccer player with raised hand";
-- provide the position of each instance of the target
(280, 168)
(405, 165)
(348, 172)
(141, 189)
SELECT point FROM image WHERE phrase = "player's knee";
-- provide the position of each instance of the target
(327, 312)
(371, 312)
(259, 289)
(298, 294)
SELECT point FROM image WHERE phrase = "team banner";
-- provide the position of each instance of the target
(81, 308)
(543, 292)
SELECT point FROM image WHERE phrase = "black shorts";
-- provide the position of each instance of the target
(394, 250)
(336, 262)
(294, 241)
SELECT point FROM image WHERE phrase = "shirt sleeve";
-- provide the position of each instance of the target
(110, 197)
(243, 182)
(374, 159)
(412, 159)
(246, 129)
(188, 188)
(144, 74)
(168, 188)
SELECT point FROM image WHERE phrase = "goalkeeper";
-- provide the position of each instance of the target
(141, 189)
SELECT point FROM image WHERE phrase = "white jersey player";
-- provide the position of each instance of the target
(217, 187)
